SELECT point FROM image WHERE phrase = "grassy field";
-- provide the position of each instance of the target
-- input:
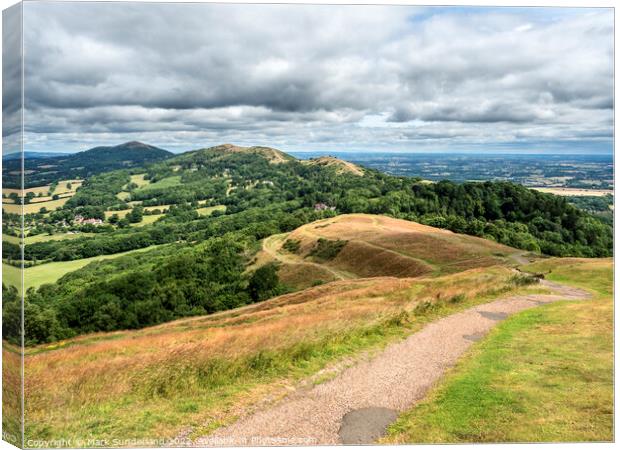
(209, 209)
(194, 372)
(574, 192)
(35, 207)
(11, 239)
(139, 180)
(63, 189)
(120, 214)
(544, 375)
(11, 275)
(123, 195)
(50, 272)
(162, 208)
(146, 220)
(35, 190)
(54, 237)
(161, 184)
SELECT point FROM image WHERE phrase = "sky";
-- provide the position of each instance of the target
(312, 78)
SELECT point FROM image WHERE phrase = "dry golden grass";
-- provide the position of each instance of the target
(338, 164)
(302, 276)
(381, 246)
(368, 260)
(11, 393)
(35, 207)
(216, 360)
(63, 189)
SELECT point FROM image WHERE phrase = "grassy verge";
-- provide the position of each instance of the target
(544, 375)
(202, 373)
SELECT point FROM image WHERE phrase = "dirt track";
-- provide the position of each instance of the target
(357, 405)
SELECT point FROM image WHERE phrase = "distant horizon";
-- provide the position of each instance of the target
(364, 152)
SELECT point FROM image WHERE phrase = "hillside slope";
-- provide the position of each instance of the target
(273, 155)
(364, 245)
(338, 165)
(207, 369)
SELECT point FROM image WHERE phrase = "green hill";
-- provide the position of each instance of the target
(45, 170)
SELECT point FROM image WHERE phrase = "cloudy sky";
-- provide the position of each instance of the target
(363, 78)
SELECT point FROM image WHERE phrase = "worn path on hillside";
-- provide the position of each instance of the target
(272, 245)
(357, 405)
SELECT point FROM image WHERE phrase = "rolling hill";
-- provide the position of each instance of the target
(338, 165)
(222, 151)
(44, 170)
(364, 245)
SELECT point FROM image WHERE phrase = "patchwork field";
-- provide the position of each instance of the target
(61, 188)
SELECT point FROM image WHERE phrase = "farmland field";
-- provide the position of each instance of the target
(35, 207)
(572, 192)
(50, 272)
(209, 209)
(165, 183)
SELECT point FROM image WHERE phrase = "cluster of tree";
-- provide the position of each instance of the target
(133, 291)
(600, 207)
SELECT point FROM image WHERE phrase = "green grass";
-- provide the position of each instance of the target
(35, 207)
(209, 209)
(139, 180)
(55, 237)
(50, 272)
(543, 375)
(168, 182)
(11, 239)
(148, 219)
(11, 275)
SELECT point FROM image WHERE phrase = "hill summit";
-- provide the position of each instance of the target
(352, 246)
(133, 150)
(338, 164)
(273, 155)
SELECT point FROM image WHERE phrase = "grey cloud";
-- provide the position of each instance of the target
(300, 75)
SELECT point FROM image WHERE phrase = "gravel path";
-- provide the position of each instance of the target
(357, 405)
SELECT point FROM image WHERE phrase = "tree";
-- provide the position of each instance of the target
(136, 215)
(264, 282)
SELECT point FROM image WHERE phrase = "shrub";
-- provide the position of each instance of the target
(327, 249)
